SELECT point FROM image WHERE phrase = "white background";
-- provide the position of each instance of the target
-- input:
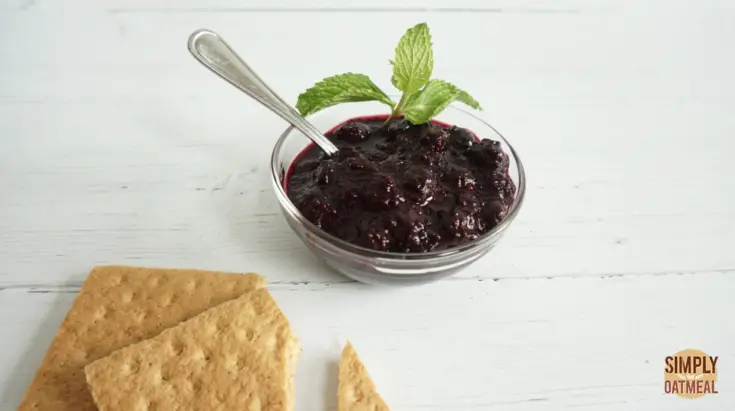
(117, 147)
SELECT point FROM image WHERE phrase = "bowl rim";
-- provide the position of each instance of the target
(428, 255)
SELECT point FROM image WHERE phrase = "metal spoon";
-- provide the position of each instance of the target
(207, 47)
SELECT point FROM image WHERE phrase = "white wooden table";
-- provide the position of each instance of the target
(116, 147)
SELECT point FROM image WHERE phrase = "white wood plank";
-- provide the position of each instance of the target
(469, 345)
(370, 7)
(367, 6)
(117, 147)
(136, 6)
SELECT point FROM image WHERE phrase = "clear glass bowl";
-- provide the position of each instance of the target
(379, 267)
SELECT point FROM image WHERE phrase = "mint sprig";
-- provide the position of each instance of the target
(430, 101)
(342, 88)
(414, 60)
(423, 98)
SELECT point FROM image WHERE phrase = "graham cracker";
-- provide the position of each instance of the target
(239, 355)
(356, 391)
(118, 306)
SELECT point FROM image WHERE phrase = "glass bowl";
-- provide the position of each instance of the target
(380, 267)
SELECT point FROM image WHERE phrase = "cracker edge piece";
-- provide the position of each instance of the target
(354, 378)
(95, 278)
(97, 371)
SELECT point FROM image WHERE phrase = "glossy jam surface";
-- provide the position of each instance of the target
(403, 188)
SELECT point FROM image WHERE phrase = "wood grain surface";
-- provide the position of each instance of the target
(116, 147)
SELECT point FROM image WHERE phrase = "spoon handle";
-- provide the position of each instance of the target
(207, 47)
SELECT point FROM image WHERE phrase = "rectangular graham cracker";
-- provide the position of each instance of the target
(118, 306)
(239, 355)
(356, 390)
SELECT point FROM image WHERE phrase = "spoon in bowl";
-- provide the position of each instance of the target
(207, 47)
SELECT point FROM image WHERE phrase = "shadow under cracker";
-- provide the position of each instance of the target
(332, 383)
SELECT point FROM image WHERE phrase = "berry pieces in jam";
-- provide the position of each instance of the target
(402, 187)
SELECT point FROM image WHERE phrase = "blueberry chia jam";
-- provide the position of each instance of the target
(401, 187)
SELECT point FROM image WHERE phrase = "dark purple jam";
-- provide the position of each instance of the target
(403, 188)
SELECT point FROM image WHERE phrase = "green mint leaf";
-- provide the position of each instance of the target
(414, 60)
(342, 88)
(465, 98)
(430, 101)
